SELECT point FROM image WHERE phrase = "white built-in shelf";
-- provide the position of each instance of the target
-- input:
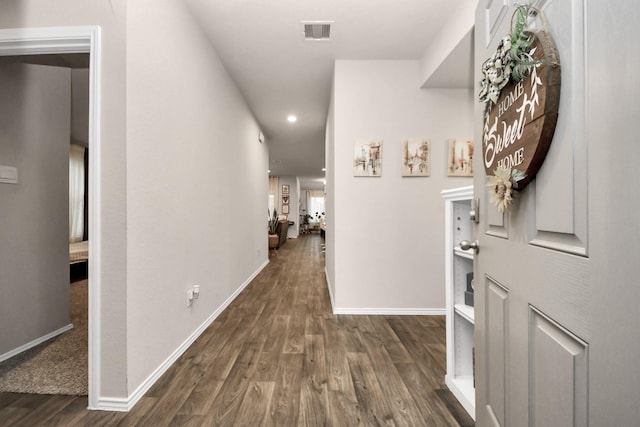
(460, 317)
(463, 388)
(466, 311)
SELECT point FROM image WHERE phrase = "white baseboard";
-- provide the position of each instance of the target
(119, 404)
(391, 311)
(125, 404)
(380, 311)
(27, 346)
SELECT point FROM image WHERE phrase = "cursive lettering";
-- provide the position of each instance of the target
(499, 135)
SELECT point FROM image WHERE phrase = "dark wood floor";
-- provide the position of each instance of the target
(279, 357)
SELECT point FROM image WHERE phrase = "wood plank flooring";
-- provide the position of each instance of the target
(279, 357)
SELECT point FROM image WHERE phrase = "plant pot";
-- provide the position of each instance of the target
(274, 239)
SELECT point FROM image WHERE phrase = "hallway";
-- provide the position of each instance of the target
(279, 357)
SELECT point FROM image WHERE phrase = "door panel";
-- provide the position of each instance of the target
(496, 347)
(556, 318)
(558, 374)
(563, 176)
(494, 12)
(527, 366)
(497, 223)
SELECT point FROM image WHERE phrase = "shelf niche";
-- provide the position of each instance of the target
(460, 316)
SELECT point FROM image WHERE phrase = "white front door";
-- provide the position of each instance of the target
(557, 338)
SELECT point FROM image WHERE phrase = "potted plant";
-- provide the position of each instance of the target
(273, 224)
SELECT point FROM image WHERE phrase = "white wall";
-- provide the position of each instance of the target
(196, 183)
(183, 62)
(329, 200)
(447, 39)
(34, 224)
(110, 15)
(385, 243)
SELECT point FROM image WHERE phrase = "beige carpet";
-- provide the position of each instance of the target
(57, 366)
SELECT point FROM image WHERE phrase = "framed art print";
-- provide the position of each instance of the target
(416, 157)
(460, 157)
(367, 158)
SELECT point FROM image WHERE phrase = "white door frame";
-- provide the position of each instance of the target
(85, 39)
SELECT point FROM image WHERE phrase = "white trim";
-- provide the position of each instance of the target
(83, 39)
(27, 346)
(47, 40)
(460, 193)
(391, 311)
(333, 302)
(118, 404)
(95, 220)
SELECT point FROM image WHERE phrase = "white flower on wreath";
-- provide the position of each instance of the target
(496, 72)
(510, 62)
(502, 187)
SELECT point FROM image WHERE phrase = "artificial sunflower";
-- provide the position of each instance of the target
(502, 187)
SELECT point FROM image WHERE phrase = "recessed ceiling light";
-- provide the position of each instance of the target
(292, 118)
(324, 169)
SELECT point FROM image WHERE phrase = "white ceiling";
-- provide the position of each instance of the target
(261, 44)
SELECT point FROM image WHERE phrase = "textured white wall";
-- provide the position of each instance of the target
(447, 39)
(330, 217)
(197, 183)
(388, 252)
(111, 16)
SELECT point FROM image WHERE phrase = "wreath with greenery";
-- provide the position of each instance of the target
(512, 60)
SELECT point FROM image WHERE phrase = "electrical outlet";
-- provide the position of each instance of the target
(196, 291)
(189, 297)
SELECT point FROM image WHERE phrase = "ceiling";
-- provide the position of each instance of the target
(261, 43)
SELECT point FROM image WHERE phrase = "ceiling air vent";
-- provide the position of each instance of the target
(317, 30)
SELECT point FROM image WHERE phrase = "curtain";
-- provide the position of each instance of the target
(273, 193)
(76, 193)
(315, 205)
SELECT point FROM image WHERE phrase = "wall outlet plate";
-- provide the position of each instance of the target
(8, 175)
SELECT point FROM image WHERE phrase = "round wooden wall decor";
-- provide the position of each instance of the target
(519, 128)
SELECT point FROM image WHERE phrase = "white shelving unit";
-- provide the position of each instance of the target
(460, 317)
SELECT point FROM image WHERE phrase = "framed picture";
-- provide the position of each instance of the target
(285, 188)
(285, 200)
(285, 209)
(416, 157)
(367, 158)
(460, 157)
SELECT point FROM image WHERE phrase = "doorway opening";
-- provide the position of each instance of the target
(76, 40)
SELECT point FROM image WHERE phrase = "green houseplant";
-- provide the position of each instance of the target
(273, 221)
(273, 224)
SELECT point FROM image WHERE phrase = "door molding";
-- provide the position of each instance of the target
(563, 181)
(82, 39)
